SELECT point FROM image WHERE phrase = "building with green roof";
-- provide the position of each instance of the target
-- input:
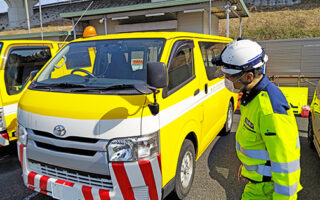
(159, 15)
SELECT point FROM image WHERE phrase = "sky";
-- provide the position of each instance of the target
(4, 6)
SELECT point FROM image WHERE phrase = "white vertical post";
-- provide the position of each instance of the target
(105, 25)
(74, 30)
(210, 17)
(228, 13)
(27, 13)
(40, 13)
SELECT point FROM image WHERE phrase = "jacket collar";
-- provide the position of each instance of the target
(260, 86)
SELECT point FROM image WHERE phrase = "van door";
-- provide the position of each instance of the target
(216, 103)
(20, 61)
(180, 103)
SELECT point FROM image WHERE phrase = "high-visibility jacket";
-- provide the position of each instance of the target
(267, 140)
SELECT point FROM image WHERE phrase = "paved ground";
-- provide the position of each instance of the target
(215, 176)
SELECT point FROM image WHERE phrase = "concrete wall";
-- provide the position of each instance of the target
(214, 23)
(111, 26)
(4, 21)
(17, 11)
(99, 27)
(190, 22)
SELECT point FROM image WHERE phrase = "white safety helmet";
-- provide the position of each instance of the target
(242, 55)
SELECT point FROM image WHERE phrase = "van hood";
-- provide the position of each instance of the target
(84, 115)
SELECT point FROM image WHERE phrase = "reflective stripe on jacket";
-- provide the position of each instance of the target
(267, 139)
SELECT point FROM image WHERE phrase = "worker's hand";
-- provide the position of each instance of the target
(240, 177)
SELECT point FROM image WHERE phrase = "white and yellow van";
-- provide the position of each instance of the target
(18, 58)
(123, 116)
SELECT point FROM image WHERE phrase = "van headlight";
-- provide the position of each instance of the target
(133, 148)
(22, 134)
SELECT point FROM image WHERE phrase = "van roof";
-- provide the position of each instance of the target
(28, 41)
(165, 35)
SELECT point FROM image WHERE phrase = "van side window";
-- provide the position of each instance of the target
(181, 67)
(209, 50)
(20, 63)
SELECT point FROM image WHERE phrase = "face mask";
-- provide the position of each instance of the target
(230, 85)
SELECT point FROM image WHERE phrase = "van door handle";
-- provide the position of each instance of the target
(196, 92)
(206, 88)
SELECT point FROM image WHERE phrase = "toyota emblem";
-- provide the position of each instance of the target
(59, 131)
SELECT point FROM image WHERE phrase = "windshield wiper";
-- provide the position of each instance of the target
(61, 85)
(142, 88)
(112, 87)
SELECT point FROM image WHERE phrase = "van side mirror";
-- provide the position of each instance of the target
(33, 74)
(156, 74)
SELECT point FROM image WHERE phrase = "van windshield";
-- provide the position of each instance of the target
(114, 64)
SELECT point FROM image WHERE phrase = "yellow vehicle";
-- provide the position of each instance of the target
(296, 96)
(314, 121)
(131, 126)
(18, 58)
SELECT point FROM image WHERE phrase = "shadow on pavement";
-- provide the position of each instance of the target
(224, 169)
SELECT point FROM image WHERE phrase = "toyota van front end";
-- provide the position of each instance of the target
(80, 123)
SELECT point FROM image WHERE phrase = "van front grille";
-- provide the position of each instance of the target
(65, 149)
(89, 179)
(71, 138)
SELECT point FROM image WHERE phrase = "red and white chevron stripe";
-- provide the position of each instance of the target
(4, 139)
(138, 180)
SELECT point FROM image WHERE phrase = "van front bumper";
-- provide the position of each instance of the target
(130, 180)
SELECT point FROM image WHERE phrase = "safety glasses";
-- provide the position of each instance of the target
(233, 76)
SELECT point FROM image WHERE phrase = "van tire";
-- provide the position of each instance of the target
(310, 132)
(187, 154)
(228, 125)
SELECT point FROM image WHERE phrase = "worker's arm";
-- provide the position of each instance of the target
(281, 136)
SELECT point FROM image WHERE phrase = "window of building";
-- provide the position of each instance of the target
(209, 50)
(20, 63)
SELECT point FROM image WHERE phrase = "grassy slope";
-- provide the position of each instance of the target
(299, 21)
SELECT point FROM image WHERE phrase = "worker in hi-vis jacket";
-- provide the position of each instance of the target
(267, 139)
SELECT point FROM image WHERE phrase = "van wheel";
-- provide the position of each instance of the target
(185, 170)
(310, 132)
(228, 125)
